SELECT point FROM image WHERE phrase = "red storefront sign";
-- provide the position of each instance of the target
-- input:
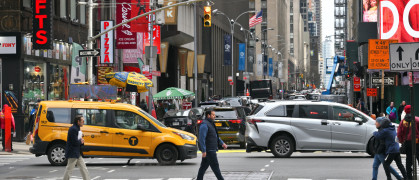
(125, 38)
(156, 39)
(372, 92)
(357, 87)
(357, 80)
(139, 7)
(42, 24)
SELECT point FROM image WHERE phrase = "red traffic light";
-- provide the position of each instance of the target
(207, 9)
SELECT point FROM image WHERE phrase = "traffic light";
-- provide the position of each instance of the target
(207, 16)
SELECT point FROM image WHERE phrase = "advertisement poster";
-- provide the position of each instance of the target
(156, 39)
(227, 50)
(125, 39)
(78, 65)
(242, 56)
(132, 55)
(139, 7)
(369, 10)
(271, 70)
(101, 72)
(259, 65)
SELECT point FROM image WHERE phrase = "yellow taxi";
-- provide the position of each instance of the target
(110, 130)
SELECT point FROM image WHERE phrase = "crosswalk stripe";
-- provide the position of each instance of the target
(152, 179)
(180, 179)
(298, 179)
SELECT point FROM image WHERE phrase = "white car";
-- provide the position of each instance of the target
(288, 126)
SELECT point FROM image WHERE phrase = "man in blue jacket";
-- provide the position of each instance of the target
(72, 150)
(208, 144)
(388, 134)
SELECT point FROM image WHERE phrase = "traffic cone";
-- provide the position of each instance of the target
(247, 92)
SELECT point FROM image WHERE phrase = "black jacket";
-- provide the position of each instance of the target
(72, 149)
(208, 136)
(379, 145)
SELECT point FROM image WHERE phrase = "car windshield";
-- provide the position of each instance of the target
(225, 113)
(152, 118)
(233, 102)
(177, 113)
(256, 109)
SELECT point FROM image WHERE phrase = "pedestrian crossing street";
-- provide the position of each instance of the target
(6, 160)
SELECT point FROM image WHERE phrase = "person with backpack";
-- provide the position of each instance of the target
(391, 111)
(404, 134)
(388, 135)
(380, 153)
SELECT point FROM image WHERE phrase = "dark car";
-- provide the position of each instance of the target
(210, 103)
(230, 124)
(180, 119)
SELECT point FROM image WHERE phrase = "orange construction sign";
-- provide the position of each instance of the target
(378, 53)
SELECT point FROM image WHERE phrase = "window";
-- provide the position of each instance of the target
(282, 111)
(63, 8)
(94, 117)
(82, 13)
(59, 115)
(27, 3)
(73, 9)
(225, 113)
(345, 114)
(256, 109)
(313, 111)
(130, 120)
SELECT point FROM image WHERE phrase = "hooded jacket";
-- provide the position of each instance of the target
(388, 134)
(405, 125)
(379, 144)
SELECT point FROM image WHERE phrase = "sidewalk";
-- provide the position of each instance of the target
(18, 148)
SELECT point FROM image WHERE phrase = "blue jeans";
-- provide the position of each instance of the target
(210, 160)
(378, 160)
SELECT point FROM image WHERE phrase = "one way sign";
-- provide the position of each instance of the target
(88, 52)
(404, 57)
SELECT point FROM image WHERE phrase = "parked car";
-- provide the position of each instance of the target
(210, 104)
(180, 119)
(288, 126)
(230, 124)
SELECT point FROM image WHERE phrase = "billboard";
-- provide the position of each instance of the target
(398, 19)
(125, 39)
(42, 24)
(369, 10)
(106, 43)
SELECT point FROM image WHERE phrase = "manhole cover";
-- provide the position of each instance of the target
(240, 175)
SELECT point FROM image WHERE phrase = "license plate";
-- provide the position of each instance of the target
(175, 123)
(218, 124)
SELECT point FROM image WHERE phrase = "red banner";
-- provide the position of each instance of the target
(156, 39)
(125, 39)
(357, 87)
(139, 7)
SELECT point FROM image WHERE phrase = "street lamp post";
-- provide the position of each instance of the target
(232, 23)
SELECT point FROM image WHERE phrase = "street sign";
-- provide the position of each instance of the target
(371, 91)
(387, 81)
(156, 73)
(378, 53)
(230, 78)
(404, 57)
(89, 53)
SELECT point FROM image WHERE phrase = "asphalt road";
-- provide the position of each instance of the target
(235, 164)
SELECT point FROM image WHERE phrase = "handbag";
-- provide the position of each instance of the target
(392, 115)
(403, 148)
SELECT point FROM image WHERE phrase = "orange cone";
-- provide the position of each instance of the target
(247, 92)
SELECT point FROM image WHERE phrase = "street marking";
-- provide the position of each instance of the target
(137, 161)
(124, 166)
(262, 169)
(53, 171)
(111, 170)
(298, 179)
(179, 179)
(272, 161)
(97, 177)
(267, 165)
(152, 179)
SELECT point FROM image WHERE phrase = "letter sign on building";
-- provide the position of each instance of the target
(42, 24)
(106, 43)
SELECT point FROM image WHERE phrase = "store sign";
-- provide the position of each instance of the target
(125, 39)
(106, 43)
(37, 69)
(397, 17)
(357, 87)
(139, 7)
(372, 92)
(156, 39)
(42, 24)
(132, 55)
(170, 15)
(8, 44)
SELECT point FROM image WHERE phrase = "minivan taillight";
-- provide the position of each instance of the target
(199, 121)
(254, 121)
(238, 121)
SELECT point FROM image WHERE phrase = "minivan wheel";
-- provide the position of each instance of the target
(56, 155)
(282, 146)
(167, 154)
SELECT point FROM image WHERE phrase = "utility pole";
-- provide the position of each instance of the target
(151, 60)
(90, 42)
(195, 64)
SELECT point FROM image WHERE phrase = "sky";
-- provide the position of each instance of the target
(327, 21)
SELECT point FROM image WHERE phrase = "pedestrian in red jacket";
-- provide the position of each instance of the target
(405, 128)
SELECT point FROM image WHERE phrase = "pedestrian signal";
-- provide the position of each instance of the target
(207, 16)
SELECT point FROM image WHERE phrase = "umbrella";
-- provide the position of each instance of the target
(132, 81)
(173, 93)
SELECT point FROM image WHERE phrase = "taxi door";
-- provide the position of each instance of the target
(97, 137)
(127, 139)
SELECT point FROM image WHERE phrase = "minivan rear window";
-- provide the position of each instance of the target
(225, 113)
(256, 109)
(59, 115)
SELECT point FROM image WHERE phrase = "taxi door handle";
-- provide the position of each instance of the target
(104, 132)
(120, 133)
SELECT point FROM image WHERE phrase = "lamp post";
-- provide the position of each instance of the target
(246, 37)
(232, 23)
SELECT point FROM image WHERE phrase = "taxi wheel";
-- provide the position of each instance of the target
(56, 155)
(167, 154)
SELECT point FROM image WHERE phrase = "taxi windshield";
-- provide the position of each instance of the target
(152, 118)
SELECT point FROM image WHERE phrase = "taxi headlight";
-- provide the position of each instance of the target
(184, 136)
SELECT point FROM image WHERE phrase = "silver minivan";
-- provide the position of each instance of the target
(287, 126)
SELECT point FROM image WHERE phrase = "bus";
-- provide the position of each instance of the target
(262, 89)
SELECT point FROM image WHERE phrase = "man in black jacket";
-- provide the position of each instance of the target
(74, 142)
(208, 144)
